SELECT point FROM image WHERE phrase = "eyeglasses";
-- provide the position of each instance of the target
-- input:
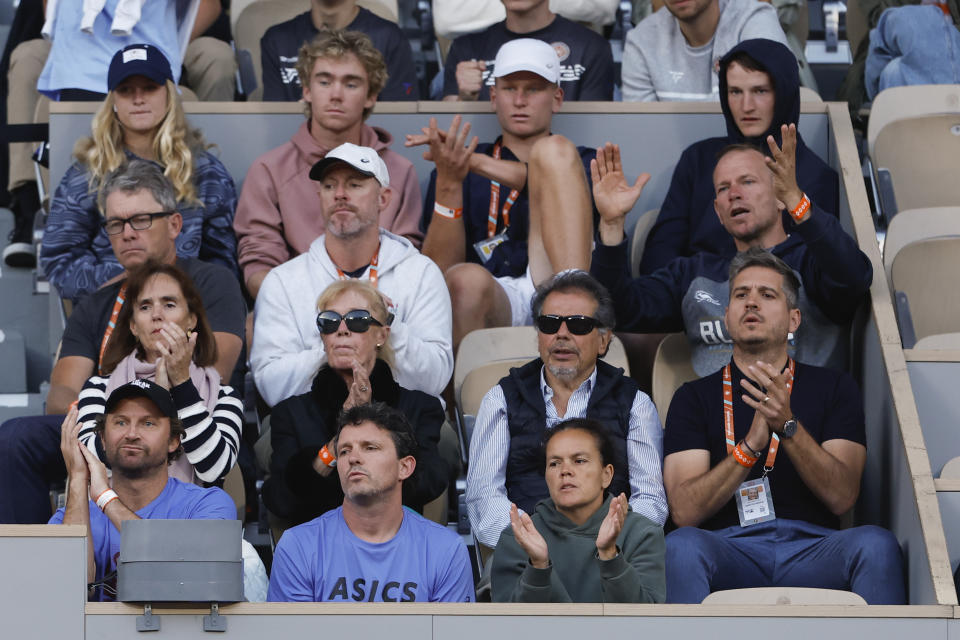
(358, 321)
(577, 325)
(138, 222)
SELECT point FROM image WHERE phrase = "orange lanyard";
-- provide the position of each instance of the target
(373, 269)
(493, 214)
(112, 324)
(728, 417)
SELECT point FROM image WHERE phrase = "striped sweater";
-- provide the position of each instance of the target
(211, 441)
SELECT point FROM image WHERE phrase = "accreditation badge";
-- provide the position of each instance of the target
(484, 248)
(754, 502)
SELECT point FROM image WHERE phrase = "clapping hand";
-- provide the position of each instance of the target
(529, 538)
(360, 389)
(176, 352)
(611, 527)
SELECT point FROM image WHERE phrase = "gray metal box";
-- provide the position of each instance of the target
(180, 561)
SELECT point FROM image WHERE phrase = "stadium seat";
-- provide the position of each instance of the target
(918, 224)
(784, 595)
(640, 232)
(923, 279)
(951, 469)
(809, 95)
(252, 19)
(671, 368)
(233, 485)
(913, 139)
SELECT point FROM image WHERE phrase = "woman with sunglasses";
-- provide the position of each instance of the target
(355, 329)
(581, 544)
(141, 117)
(162, 334)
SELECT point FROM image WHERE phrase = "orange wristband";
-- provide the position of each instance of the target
(801, 209)
(326, 457)
(743, 458)
(447, 212)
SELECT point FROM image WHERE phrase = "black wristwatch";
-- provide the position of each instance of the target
(789, 428)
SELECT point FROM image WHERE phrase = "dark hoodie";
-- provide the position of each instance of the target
(687, 223)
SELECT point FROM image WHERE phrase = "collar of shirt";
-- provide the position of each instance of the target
(576, 405)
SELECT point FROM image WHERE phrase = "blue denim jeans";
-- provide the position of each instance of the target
(915, 44)
(785, 553)
(30, 460)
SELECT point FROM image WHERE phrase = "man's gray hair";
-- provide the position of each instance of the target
(138, 175)
(757, 257)
(575, 279)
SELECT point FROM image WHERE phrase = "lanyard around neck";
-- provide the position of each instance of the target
(728, 416)
(373, 268)
(112, 324)
(494, 214)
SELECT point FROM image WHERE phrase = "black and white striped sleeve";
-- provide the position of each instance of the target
(90, 405)
(212, 440)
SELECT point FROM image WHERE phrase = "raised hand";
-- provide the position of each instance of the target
(450, 150)
(99, 481)
(613, 194)
(529, 538)
(783, 164)
(470, 78)
(72, 450)
(176, 349)
(611, 527)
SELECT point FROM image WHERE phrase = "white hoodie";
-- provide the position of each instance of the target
(287, 351)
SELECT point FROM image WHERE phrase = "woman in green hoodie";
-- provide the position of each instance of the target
(580, 545)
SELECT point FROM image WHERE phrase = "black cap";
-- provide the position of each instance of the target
(138, 60)
(143, 389)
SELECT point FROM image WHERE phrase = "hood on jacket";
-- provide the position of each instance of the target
(557, 522)
(782, 67)
(373, 137)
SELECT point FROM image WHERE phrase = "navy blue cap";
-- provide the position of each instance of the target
(142, 388)
(138, 60)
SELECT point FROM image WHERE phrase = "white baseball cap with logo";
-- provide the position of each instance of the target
(364, 159)
(528, 54)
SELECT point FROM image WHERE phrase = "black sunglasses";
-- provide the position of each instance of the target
(577, 325)
(138, 221)
(358, 321)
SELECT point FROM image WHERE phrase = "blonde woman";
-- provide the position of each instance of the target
(355, 328)
(141, 117)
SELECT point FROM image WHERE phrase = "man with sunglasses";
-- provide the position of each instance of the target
(574, 318)
(354, 187)
(138, 203)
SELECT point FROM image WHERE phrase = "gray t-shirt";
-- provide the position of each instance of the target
(658, 64)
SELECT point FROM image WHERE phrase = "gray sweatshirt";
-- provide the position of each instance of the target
(576, 574)
(658, 64)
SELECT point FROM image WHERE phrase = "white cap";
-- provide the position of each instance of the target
(364, 159)
(528, 54)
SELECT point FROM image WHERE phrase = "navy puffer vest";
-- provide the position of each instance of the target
(610, 404)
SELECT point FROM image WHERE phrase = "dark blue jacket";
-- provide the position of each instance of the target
(690, 294)
(688, 223)
(610, 403)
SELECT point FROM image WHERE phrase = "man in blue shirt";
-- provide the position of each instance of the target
(141, 435)
(371, 549)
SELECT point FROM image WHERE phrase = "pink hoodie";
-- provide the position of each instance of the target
(278, 214)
